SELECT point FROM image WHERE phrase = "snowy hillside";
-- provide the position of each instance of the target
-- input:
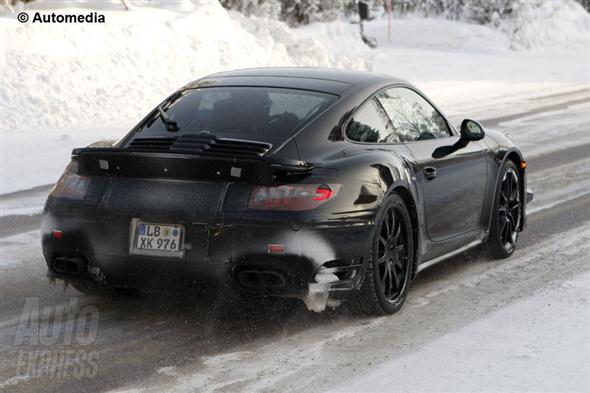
(87, 74)
(60, 75)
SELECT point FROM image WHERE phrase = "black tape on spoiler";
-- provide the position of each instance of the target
(124, 163)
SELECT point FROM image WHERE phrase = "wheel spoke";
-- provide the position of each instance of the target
(396, 279)
(504, 230)
(397, 232)
(504, 192)
(392, 223)
(383, 276)
(392, 278)
(386, 222)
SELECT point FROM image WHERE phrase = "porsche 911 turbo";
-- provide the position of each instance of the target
(286, 182)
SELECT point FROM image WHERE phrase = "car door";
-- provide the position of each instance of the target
(453, 187)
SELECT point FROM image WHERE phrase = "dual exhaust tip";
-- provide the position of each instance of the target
(69, 266)
(261, 279)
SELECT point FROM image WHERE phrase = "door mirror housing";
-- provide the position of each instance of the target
(471, 130)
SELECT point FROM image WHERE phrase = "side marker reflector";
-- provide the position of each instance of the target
(523, 165)
(276, 248)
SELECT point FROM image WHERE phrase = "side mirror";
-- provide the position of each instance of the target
(471, 130)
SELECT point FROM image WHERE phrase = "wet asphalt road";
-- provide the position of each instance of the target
(138, 339)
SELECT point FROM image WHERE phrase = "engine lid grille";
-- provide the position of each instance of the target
(203, 143)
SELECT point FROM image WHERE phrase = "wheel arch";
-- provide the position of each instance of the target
(516, 157)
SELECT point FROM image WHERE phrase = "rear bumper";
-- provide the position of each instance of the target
(233, 253)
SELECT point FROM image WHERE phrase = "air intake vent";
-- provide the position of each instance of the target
(155, 144)
(235, 147)
(202, 144)
(193, 143)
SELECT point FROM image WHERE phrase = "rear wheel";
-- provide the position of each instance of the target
(507, 214)
(386, 281)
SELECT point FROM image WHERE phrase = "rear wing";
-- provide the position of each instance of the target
(138, 164)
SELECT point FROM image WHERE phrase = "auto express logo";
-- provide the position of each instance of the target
(38, 17)
(56, 341)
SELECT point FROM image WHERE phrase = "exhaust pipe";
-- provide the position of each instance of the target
(69, 266)
(261, 279)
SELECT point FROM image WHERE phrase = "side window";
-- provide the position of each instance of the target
(371, 124)
(413, 118)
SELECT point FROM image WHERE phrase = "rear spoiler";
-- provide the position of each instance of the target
(138, 164)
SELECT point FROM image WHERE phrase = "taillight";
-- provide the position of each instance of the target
(71, 186)
(293, 197)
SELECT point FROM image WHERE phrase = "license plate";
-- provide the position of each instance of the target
(158, 239)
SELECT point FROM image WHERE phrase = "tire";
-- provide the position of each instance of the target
(507, 213)
(385, 285)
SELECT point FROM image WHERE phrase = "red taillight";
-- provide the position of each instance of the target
(71, 186)
(292, 197)
(322, 193)
(276, 248)
(57, 234)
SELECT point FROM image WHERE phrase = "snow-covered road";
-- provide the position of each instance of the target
(465, 319)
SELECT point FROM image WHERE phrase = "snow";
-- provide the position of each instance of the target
(92, 74)
(34, 158)
(538, 134)
(465, 68)
(558, 185)
(11, 245)
(67, 86)
(549, 26)
(318, 297)
(29, 204)
(537, 344)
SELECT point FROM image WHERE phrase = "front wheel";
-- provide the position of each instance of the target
(507, 214)
(387, 279)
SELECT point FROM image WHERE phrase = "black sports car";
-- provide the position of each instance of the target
(286, 182)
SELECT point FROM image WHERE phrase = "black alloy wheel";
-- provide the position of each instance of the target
(387, 279)
(507, 216)
(509, 210)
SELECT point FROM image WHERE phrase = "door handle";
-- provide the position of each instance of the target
(429, 173)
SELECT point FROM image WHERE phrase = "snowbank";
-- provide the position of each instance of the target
(57, 75)
(549, 26)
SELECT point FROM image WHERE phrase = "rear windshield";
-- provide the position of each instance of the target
(252, 113)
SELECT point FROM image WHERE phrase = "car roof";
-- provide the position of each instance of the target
(330, 80)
